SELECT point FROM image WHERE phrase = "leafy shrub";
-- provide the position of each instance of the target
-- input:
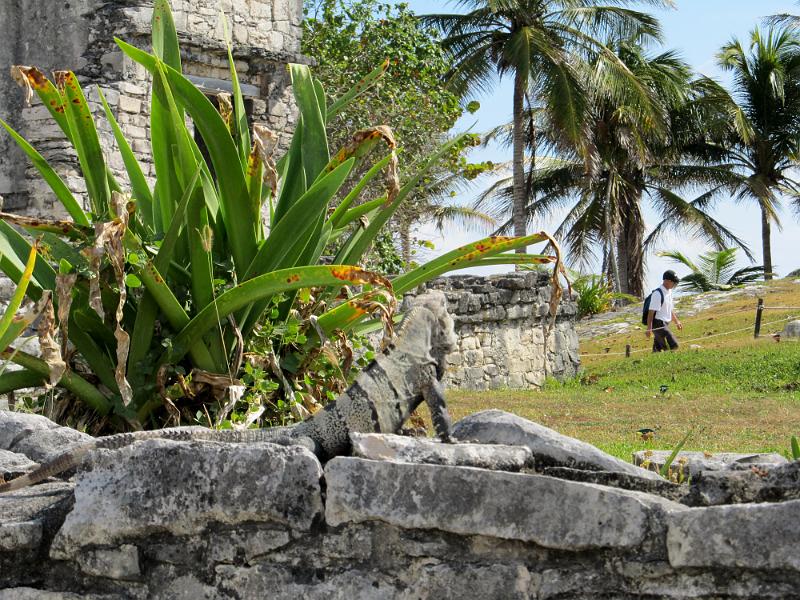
(595, 295)
(177, 301)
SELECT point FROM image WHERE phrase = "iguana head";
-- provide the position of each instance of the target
(443, 336)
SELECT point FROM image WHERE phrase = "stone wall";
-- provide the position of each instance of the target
(79, 34)
(533, 515)
(502, 323)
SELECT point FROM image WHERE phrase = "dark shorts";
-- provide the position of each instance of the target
(662, 337)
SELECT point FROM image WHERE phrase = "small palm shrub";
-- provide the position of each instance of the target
(177, 301)
(714, 271)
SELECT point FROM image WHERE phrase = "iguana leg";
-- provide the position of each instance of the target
(434, 398)
(300, 440)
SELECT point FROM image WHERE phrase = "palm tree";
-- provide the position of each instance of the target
(765, 141)
(714, 270)
(636, 151)
(537, 42)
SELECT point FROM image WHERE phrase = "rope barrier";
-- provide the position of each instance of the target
(705, 337)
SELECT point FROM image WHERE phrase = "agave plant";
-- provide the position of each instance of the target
(596, 294)
(714, 271)
(170, 285)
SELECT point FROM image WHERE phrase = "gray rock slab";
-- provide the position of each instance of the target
(16, 425)
(549, 512)
(20, 536)
(48, 443)
(695, 462)
(768, 483)
(398, 448)
(13, 464)
(549, 447)
(791, 329)
(663, 488)
(27, 593)
(36, 436)
(752, 536)
(30, 503)
(181, 488)
(112, 563)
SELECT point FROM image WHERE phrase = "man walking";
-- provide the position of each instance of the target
(661, 314)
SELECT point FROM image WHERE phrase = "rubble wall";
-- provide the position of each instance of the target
(401, 518)
(503, 325)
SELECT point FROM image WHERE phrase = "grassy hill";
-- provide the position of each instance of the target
(735, 393)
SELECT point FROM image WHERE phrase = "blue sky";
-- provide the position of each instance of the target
(697, 29)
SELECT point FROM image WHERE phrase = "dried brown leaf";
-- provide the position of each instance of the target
(51, 351)
(265, 142)
(29, 79)
(225, 108)
(64, 285)
(108, 242)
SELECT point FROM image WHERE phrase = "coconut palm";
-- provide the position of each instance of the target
(635, 153)
(714, 270)
(765, 142)
(537, 42)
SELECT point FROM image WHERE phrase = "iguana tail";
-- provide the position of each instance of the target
(68, 460)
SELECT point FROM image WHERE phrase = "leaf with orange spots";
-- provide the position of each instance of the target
(33, 80)
(64, 228)
(266, 286)
(86, 142)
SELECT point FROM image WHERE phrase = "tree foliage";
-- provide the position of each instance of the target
(540, 44)
(348, 38)
(714, 270)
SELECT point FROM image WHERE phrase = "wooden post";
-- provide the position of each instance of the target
(627, 350)
(759, 310)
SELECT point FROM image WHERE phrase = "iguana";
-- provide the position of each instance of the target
(380, 400)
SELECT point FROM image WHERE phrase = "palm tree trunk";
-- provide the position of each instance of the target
(519, 218)
(766, 244)
(611, 236)
(630, 250)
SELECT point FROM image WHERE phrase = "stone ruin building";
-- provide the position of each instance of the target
(79, 35)
(500, 320)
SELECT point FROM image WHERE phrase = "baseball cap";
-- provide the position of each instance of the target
(671, 276)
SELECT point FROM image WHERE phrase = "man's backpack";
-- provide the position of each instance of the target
(646, 307)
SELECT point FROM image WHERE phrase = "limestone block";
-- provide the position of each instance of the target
(696, 462)
(751, 536)
(227, 547)
(398, 448)
(27, 593)
(532, 508)
(35, 436)
(129, 104)
(765, 483)
(791, 329)
(166, 486)
(549, 447)
(20, 536)
(114, 563)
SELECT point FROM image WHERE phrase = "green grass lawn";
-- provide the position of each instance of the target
(735, 393)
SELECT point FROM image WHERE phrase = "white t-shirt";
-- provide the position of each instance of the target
(663, 309)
